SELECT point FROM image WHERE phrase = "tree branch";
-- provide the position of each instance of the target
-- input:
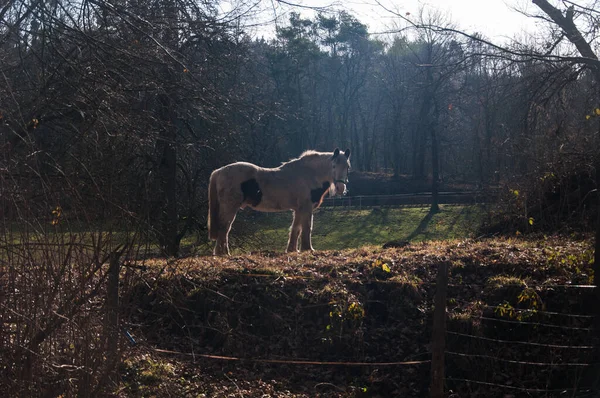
(568, 26)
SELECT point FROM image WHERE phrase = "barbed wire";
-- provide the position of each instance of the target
(366, 278)
(575, 364)
(559, 390)
(525, 286)
(542, 312)
(290, 361)
(572, 347)
(415, 283)
(549, 325)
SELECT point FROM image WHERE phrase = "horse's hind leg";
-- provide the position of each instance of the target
(226, 218)
(295, 230)
(305, 240)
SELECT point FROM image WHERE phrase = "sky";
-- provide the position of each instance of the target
(496, 19)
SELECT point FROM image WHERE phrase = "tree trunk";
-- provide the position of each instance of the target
(573, 34)
(597, 245)
(420, 147)
(435, 171)
(169, 240)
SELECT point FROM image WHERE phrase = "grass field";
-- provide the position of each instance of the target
(337, 229)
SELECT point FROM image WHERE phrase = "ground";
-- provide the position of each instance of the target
(247, 326)
(337, 229)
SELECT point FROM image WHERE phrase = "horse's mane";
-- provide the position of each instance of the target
(305, 156)
(310, 152)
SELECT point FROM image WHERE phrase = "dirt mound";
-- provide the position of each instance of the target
(298, 325)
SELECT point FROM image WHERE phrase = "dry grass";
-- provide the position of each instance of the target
(366, 304)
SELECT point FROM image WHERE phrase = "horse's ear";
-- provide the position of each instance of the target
(347, 153)
(336, 153)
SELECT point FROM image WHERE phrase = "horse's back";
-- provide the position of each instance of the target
(235, 172)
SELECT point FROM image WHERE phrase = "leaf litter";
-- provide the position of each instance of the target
(366, 305)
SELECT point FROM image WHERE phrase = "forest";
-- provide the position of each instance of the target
(113, 114)
(120, 111)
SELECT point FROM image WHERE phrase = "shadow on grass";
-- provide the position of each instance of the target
(350, 229)
(464, 214)
(344, 229)
(422, 226)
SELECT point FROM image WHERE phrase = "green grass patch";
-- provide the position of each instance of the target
(504, 280)
(335, 229)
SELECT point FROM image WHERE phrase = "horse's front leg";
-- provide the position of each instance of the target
(294, 233)
(305, 238)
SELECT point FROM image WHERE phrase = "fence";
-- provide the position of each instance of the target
(459, 368)
(424, 198)
(486, 352)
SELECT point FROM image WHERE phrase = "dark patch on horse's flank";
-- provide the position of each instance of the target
(317, 195)
(252, 192)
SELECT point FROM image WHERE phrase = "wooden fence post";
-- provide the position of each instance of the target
(111, 318)
(111, 325)
(438, 340)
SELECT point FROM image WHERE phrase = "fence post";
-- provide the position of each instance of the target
(111, 320)
(438, 339)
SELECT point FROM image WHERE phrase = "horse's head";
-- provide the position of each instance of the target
(341, 166)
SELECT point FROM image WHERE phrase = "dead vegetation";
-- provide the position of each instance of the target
(264, 324)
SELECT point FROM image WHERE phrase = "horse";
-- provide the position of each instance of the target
(299, 185)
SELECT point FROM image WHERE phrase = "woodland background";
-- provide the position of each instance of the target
(118, 111)
(114, 113)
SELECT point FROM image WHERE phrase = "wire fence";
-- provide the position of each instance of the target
(413, 199)
(469, 357)
(291, 361)
(472, 356)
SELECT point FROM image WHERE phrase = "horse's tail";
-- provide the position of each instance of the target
(213, 208)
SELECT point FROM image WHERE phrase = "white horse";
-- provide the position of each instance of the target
(298, 185)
